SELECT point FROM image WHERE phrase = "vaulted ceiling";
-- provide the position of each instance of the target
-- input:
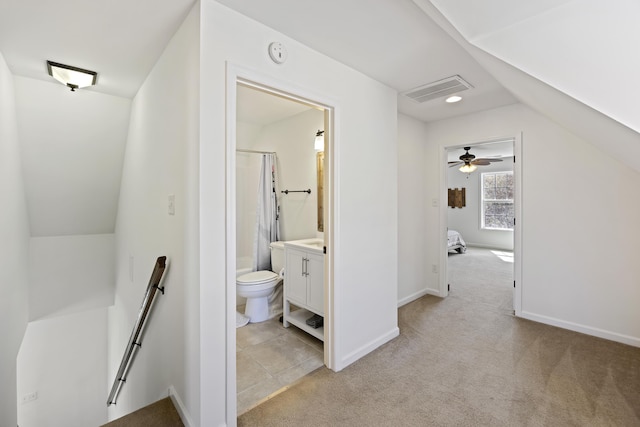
(571, 60)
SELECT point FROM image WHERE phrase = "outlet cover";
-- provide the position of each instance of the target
(172, 204)
(29, 397)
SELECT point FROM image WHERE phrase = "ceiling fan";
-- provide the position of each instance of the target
(470, 163)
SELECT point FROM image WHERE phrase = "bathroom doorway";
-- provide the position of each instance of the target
(269, 123)
(482, 203)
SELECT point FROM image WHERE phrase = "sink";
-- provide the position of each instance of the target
(315, 244)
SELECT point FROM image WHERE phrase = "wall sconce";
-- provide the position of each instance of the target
(319, 141)
(72, 77)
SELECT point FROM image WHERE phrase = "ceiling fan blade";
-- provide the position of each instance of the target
(453, 164)
(484, 162)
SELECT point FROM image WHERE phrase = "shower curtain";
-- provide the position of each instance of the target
(267, 221)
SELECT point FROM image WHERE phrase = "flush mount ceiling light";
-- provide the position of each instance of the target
(319, 141)
(72, 77)
(454, 98)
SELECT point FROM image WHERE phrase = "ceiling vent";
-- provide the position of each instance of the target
(439, 89)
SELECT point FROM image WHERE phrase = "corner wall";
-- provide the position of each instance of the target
(365, 207)
(70, 274)
(160, 160)
(296, 170)
(14, 249)
(64, 360)
(579, 224)
(415, 277)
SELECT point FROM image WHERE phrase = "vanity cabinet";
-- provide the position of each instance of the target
(303, 287)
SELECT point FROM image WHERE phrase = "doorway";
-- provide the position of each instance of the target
(278, 107)
(482, 187)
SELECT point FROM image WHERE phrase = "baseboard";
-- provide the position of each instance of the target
(368, 348)
(483, 246)
(182, 411)
(415, 296)
(588, 330)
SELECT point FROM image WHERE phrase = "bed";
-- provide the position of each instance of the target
(455, 242)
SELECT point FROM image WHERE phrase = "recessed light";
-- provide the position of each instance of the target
(453, 98)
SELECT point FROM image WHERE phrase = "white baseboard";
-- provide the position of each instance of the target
(483, 246)
(367, 348)
(182, 411)
(415, 296)
(596, 332)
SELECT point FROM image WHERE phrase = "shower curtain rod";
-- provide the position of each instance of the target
(255, 151)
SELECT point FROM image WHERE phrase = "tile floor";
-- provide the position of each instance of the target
(270, 357)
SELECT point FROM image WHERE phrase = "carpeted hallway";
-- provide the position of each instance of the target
(466, 361)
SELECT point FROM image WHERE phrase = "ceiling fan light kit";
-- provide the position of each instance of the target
(467, 168)
(470, 163)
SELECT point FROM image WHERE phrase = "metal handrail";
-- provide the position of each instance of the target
(138, 328)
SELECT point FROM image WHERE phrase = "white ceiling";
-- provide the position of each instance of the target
(119, 39)
(261, 108)
(392, 41)
(70, 169)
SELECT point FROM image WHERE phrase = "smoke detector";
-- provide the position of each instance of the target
(438, 89)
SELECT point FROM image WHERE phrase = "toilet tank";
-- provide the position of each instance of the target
(277, 256)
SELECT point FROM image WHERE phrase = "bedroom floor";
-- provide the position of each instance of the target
(270, 357)
(490, 270)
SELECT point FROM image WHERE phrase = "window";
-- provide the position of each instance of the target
(497, 201)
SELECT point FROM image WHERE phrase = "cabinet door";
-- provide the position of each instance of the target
(315, 289)
(295, 281)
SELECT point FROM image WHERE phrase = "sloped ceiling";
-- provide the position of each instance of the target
(391, 41)
(583, 48)
(72, 152)
(583, 51)
(72, 143)
(119, 39)
(557, 74)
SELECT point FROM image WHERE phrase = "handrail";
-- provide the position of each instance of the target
(134, 340)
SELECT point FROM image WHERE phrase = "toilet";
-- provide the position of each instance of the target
(260, 287)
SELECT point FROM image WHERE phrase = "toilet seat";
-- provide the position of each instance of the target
(256, 278)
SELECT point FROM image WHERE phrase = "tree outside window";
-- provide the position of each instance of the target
(497, 200)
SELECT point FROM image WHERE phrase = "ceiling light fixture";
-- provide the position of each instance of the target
(72, 77)
(454, 98)
(319, 141)
(467, 168)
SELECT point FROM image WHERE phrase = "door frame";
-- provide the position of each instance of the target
(237, 74)
(517, 231)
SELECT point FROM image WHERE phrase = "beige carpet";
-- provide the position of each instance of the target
(159, 414)
(466, 361)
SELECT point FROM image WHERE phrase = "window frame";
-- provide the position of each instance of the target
(503, 201)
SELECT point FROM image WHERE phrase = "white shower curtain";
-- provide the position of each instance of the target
(267, 223)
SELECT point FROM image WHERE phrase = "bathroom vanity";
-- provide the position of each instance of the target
(303, 284)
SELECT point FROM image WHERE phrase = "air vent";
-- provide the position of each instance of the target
(439, 89)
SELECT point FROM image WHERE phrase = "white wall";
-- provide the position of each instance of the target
(365, 200)
(292, 140)
(70, 274)
(466, 220)
(14, 249)
(579, 224)
(64, 361)
(160, 160)
(72, 156)
(414, 275)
